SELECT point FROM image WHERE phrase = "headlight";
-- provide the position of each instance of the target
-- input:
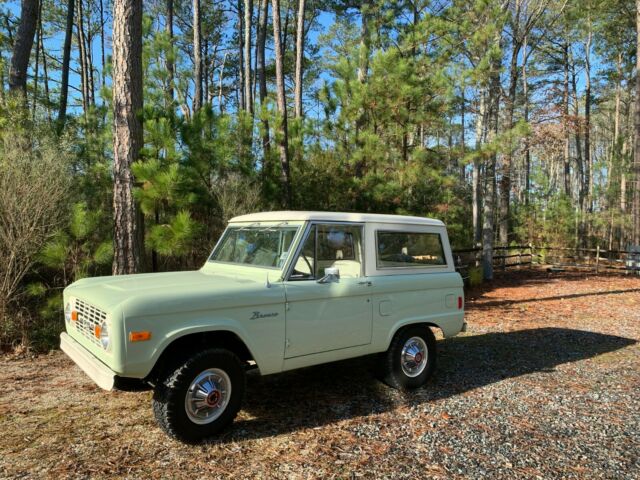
(102, 333)
(67, 311)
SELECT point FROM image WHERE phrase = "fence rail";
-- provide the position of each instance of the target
(556, 258)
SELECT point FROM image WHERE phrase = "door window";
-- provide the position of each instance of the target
(337, 246)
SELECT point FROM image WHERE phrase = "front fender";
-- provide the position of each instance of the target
(264, 338)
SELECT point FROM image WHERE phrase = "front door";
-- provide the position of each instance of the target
(337, 314)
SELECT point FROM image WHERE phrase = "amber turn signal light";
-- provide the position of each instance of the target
(74, 315)
(97, 331)
(139, 336)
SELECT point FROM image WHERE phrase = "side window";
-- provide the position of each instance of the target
(409, 249)
(340, 246)
(337, 246)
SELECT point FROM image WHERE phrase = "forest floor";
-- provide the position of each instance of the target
(545, 384)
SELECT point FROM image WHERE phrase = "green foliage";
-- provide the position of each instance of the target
(174, 238)
(393, 96)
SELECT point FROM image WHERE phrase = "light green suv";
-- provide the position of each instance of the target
(281, 290)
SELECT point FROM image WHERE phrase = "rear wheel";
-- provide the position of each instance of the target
(201, 396)
(411, 358)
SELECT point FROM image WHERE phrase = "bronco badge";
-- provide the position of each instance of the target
(257, 315)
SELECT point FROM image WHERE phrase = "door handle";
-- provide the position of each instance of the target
(366, 282)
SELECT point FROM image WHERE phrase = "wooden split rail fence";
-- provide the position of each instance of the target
(555, 258)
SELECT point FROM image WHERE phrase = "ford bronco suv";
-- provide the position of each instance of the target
(281, 290)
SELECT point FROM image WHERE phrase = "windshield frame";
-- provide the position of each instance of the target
(298, 226)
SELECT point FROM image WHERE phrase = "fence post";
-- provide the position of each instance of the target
(531, 257)
(597, 257)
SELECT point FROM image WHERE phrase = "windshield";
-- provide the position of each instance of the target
(260, 246)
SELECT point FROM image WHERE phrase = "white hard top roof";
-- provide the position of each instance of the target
(291, 215)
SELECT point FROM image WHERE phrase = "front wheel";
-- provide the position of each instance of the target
(201, 396)
(411, 358)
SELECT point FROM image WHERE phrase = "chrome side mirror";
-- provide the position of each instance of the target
(331, 275)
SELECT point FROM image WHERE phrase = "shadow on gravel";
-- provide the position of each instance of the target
(532, 278)
(501, 303)
(321, 395)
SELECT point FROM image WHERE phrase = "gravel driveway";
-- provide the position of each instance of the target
(546, 384)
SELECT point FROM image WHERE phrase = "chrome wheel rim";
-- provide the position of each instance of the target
(208, 396)
(414, 357)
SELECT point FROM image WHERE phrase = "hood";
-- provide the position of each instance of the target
(158, 288)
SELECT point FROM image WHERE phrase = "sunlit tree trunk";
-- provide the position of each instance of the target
(283, 141)
(197, 57)
(636, 153)
(66, 58)
(170, 60)
(299, 59)
(262, 79)
(240, 85)
(37, 59)
(22, 46)
(248, 91)
(587, 181)
(84, 83)
(565, 112)
(525, 95)
(127, 140)
(489, 200)
(476, 185)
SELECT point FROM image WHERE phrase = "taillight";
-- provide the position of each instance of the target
(459, 303)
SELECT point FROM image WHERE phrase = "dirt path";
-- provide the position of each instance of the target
(545, 384)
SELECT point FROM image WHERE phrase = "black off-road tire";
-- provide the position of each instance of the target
(390, 369)
(170, 393)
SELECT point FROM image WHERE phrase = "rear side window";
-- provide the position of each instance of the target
(409, 249)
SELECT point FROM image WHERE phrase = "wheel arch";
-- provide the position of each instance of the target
(184, 345)
(397, 328)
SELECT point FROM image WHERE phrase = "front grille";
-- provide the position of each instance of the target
(88, 317)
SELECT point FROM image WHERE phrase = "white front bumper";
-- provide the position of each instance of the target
(102, 375)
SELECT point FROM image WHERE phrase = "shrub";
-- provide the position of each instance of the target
(34, 182)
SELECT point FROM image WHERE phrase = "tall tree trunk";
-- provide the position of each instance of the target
(22, 46)
(461, 161)
(127, 140)
(84, 82)
(490, 170)
(299, 59)
(205, 71)
(37, 63)
(88, 37)
(197, 57)
(240, 86)
(248, 91)
(220, 79)
(365, 43)
(476, 184)
(578, 136)
(66, 57)
(565, 112)
(283, 141)
(103, 71)
(527, 151)
(587, 183)
(262, 80)
(505, 181)
(45, 74)
(636, 153)
(170, 60)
